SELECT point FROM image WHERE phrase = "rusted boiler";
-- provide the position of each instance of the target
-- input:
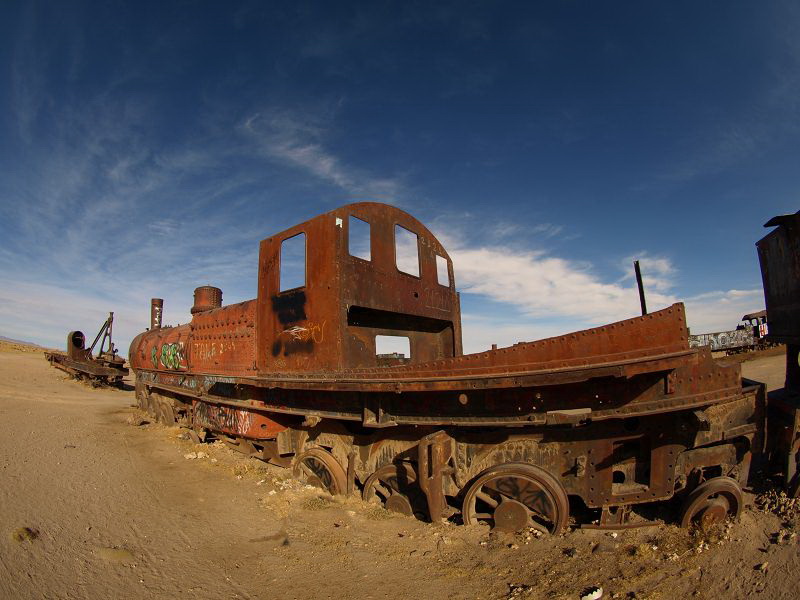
(587, 427)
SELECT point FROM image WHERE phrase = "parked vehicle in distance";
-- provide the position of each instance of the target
(749, 335)
(104, 368)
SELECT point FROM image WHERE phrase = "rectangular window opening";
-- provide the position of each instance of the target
(442, 274)
(406, 251)
(392, 346)
(293, 262)
(359, 238)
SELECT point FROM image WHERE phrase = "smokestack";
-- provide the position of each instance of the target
(76, 343)
(641, 287)
(156, 309)
(206, 297)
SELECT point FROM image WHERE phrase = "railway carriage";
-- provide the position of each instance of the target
(750, 334)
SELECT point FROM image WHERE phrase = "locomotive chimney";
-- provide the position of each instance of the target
(206, 297)
(156, 308)
(76, 345)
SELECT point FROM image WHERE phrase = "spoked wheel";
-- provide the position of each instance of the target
(167, 413)
(141, 396)
(153, 407)
(395, 486)
(319, 468)
(163, 411)
(149, 405)
(513, 496)
(712, 502)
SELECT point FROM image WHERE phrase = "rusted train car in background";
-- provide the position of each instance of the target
(750, 334)
(594, 427)
(105, 368)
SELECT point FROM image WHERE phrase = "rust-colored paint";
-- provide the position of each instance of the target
(235, 421)
(779, 257)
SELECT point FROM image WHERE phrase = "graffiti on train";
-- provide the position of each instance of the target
(723, 340)
(223, 418)
(172, 356)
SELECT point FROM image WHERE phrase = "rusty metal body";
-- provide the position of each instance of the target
(104, 369)
(779, 257)
(613, 417)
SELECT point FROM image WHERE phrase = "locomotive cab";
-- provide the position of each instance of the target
(365, 285)
(757, 321)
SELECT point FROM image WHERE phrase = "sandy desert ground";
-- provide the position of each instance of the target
(96, 504)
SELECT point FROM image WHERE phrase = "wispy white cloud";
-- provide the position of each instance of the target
(502, 230)
(708, 312)
(44, 314)
(481, 330)
(717, 148)
(541, 285)
(550, 295)
(721, 310)
(546, 230)
(106, 216)
(300, 141)
(762, 123)
(165, 227)
(658, 272)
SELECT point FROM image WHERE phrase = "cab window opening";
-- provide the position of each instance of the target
(293, 262)
(392, 346)
(359, 240)
(406, 251)
(442, 273)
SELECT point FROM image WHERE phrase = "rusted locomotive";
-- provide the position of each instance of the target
(597, 426)
(750, 334)
(106, 368)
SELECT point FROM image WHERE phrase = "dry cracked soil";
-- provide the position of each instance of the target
(95, 502)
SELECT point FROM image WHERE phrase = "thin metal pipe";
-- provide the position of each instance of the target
(641, 286)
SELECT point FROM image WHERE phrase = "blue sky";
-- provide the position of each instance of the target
(146, 148)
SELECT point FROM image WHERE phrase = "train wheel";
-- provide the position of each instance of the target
(141, 395)
(167, 413)
(318, 467)
(162, 409)
(152, 406)
(712, 502)
(149, 405)
(514, 496)
(395, 487)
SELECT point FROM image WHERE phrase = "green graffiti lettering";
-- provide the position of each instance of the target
(171, 355)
